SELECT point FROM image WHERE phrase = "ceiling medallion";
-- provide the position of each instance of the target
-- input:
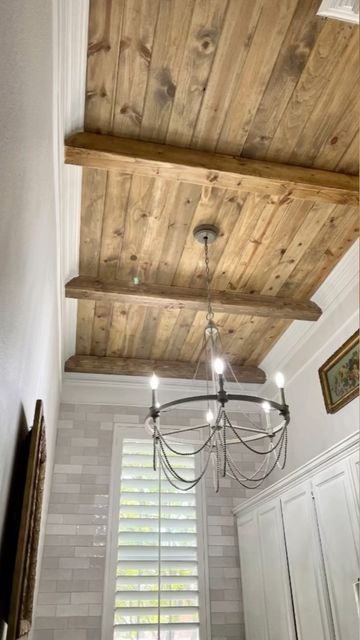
(223, 439)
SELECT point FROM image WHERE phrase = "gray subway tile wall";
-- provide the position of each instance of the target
(71, 587)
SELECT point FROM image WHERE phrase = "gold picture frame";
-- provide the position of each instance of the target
(339, 375)
(23, 587)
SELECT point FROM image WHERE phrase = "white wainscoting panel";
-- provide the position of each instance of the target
(251, 577)
(339, 531)
(278, 606)
(306, 571)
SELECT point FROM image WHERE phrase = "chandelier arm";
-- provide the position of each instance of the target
(200, 426)
(169, 479)
(258, 400)
(195, 483)
(261, 453)
(186, 453)
(265, 463)
(172, 470)
(242, 483)
(258, 481)
(237, 426)
(250, 478)
(261, 436)
(268, 471)
(186, 400)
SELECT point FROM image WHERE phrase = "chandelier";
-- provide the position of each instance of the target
(221, 436)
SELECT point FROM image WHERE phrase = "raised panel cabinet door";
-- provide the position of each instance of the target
(251, 578)
(278, 605)
(306, 569)
(337, 515)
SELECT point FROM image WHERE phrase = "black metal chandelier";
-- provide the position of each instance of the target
(220, 436)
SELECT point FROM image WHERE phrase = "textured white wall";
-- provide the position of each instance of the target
(29, 337)
(312, 430)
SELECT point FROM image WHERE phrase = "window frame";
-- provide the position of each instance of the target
(123, 431)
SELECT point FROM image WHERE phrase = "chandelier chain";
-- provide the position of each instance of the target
(210, 313)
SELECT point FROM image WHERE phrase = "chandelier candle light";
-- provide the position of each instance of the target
(221, 436)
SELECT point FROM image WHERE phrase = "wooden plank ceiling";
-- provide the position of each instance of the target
(260, 79)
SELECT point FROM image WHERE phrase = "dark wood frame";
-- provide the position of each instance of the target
(333, 407)
(22, 595)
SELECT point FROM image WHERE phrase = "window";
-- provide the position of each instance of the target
(136, 550)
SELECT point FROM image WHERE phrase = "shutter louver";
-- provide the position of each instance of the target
(136, 598)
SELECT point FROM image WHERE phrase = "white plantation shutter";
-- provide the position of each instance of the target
(136, 598)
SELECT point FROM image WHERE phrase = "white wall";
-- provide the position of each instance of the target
(300, 353)
(29, 335)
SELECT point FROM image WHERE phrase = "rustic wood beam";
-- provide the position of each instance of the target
(163, 368)
(168, 297)
(203, 168)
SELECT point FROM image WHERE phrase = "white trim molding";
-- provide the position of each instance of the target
(71, 19)
(346, 10)
(337, 452)
(92, 388)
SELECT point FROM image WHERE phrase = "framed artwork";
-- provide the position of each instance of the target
(339, 375)
(22, 594)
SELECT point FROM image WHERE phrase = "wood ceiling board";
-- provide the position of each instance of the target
(236, 35)
(339, 231)
(163, 368)
(296, 48)
(335, 44)
(136, 45)
(297, 114)
(84, 324)
(341, 141)
(152, 160)
(162, 296)
(200, 49)
(310, 50)
(257, 68)
(105, 21)
(349, 162)
(329, 110)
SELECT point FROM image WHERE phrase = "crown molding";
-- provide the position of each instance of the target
(70, 59)
(102, 389)
(337, 452)
(346, 10)
(340, 288)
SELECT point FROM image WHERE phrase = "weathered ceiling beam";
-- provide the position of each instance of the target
(163, 368)
(203, 168)
(169, 297)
